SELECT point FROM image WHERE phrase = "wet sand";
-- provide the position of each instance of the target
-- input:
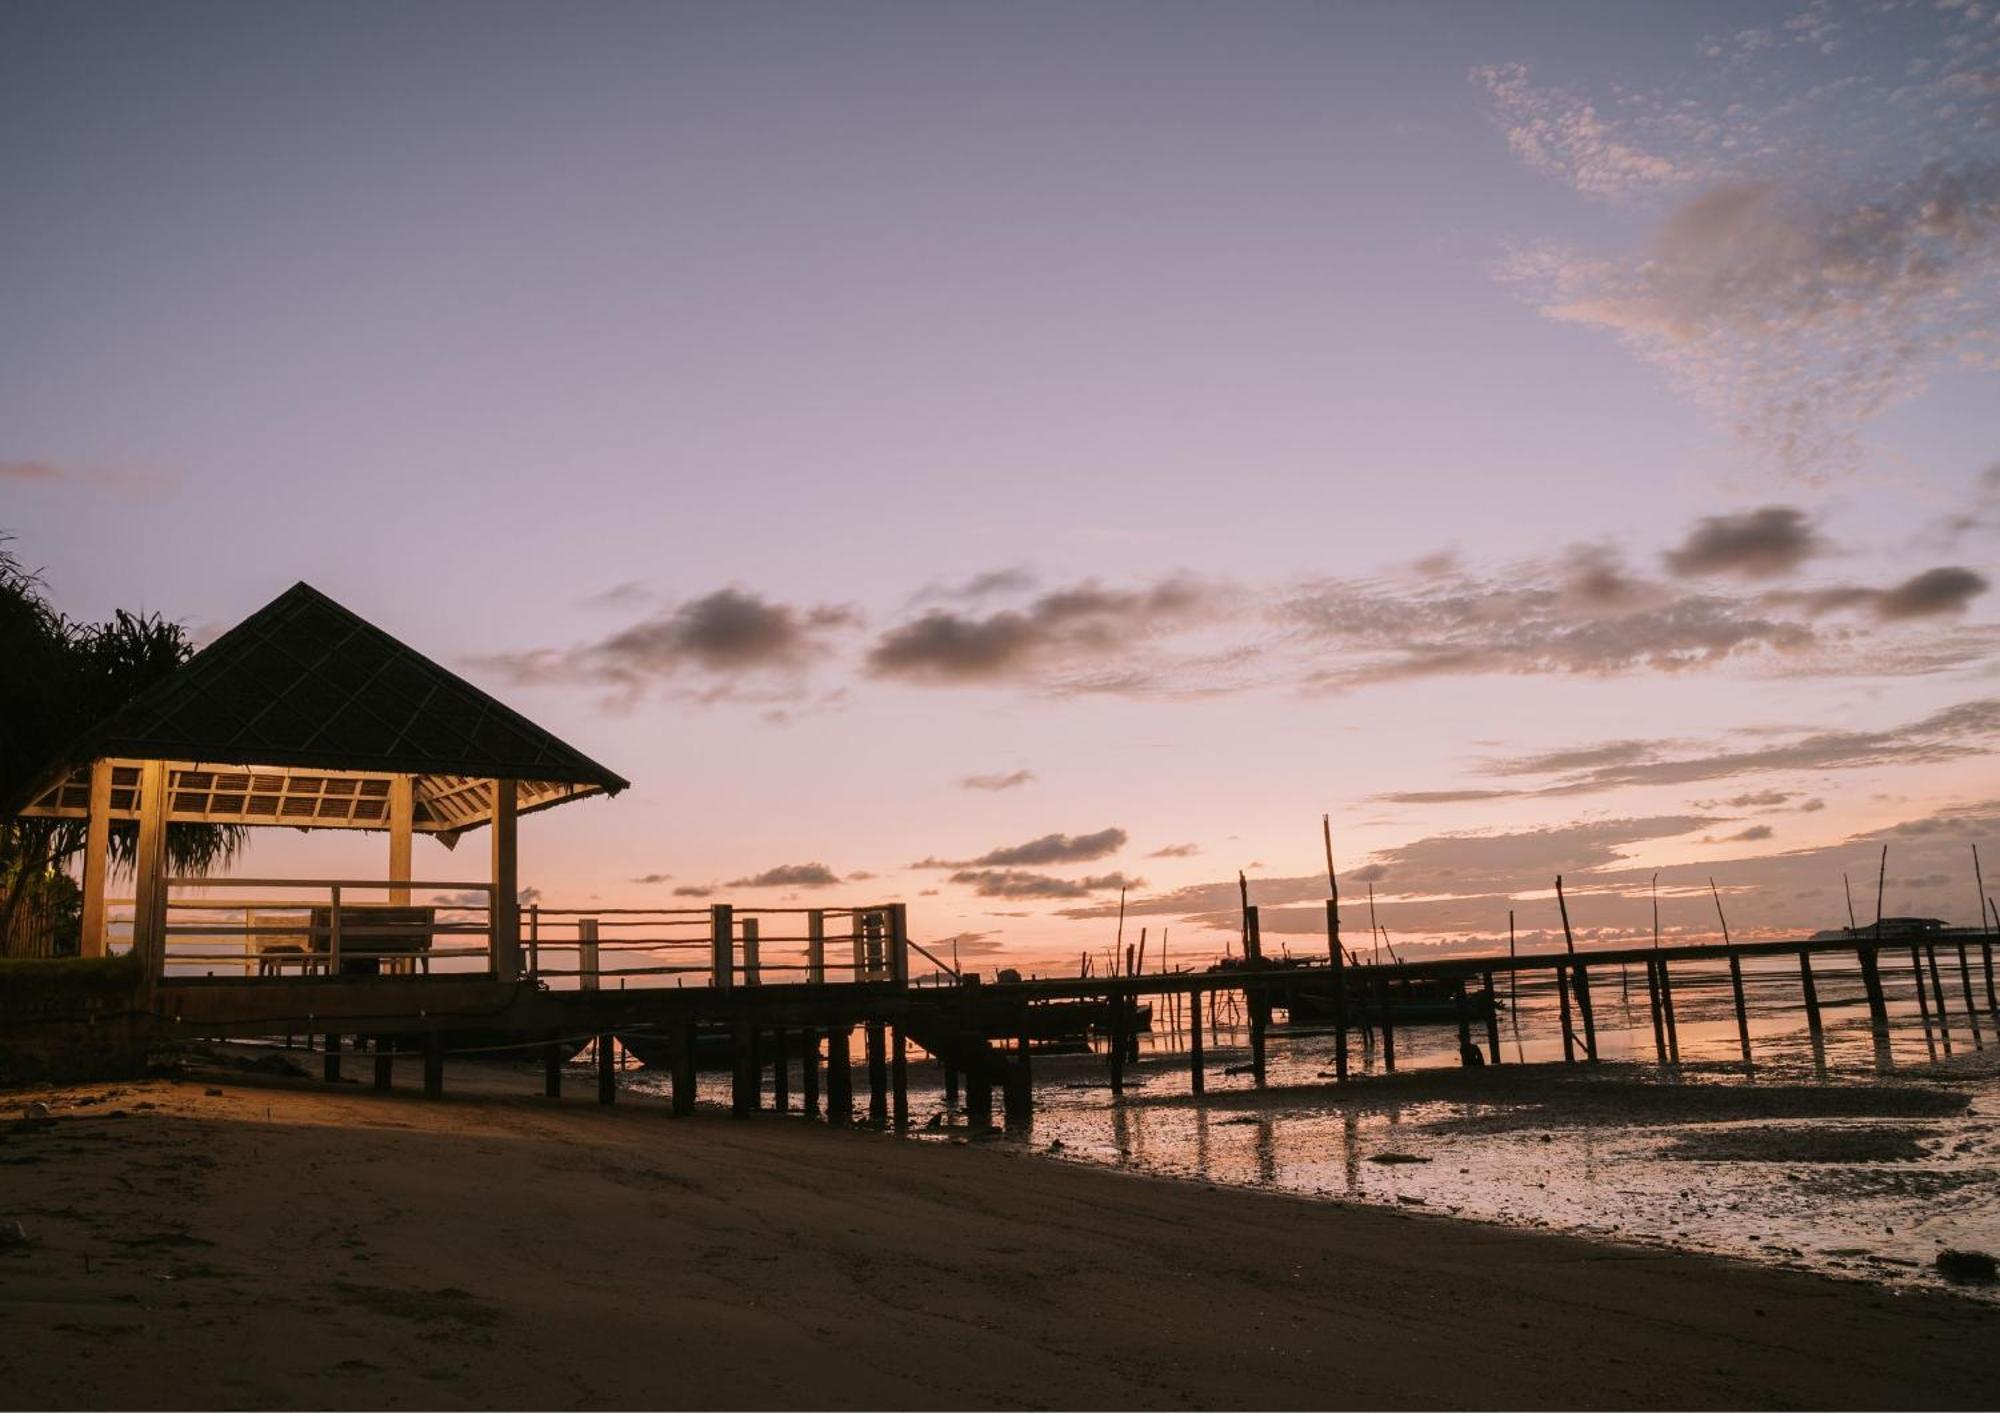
(287, 1244)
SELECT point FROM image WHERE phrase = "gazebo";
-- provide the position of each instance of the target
(306, 716)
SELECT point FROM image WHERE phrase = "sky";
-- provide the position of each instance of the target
(995, 456)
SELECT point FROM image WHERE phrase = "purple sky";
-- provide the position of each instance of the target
(1546, 437)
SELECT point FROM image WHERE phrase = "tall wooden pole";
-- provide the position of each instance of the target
(506, 920)
(402, 823)
(149, 908)
(96, 859)
(1562, 904)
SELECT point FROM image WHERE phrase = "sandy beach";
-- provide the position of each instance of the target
(287, 1244)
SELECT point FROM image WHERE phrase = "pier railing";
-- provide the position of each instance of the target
(719, 946)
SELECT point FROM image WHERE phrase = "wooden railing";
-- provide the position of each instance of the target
(719, 946)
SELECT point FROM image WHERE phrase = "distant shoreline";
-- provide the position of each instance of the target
(287, 1243)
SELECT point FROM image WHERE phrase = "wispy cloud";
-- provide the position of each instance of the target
(805, 875)
(1176, 851)
(1010, 780)
(1757, 544)
(1019, 885)
(29, 471)
(1042, 852)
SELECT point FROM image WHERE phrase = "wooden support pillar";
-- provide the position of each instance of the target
(1259, 1006)
(1569, 1035)
(96, 860)
(1463, 1014)
(878, 1072)
(1871, 983)
(1197, 1081)
(950, 1082)
(744, 1079)
(607, 1069)
(781, 1070)
(506, 899)
(1116, 1005)
(330, 1059)
(433, 1066)
(402, 823)
(721, 946)
(1743, 1011)
(1667, 1010)
(978, 1091)
(899, 1078)
(839, 1076)
(1017, 1093)
(385, 1064)
(552, 1066)
(1923, 1002)
(1810, 993)
(1583, 1009)
(149, 908)
(681, 1065)
(816, 947)
(899, 944)
(1971, 1006)
(809, 1072)
(1937, 997)
(1492, 1022)
(1659, 1015)
(753, 961)
(1337, 964)
(1388, 1023)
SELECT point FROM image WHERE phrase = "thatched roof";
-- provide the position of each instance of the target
(306, 685)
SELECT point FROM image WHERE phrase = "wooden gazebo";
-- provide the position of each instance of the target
(305, 715)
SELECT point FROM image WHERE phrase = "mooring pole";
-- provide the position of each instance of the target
(1197, 1081)
(1742, 1012)
(1583, 1009)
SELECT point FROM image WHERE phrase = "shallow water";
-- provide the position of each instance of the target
(1844, 1158)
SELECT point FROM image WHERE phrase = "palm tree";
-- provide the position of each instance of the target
(62, 676)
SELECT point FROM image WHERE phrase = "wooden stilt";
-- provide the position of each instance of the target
(1337, 960)
(1260, 1020)
(1492, 1022)
(809, 1073)
(781, 1070)
(1667, 1010)
(1466, 1054)
(1119, 1018)
(878, 1073)
(978, 1085)
(744, 1079)
(330, 1065)
(899, 1078)
(1388, 1027)
(1583, 1009)
(385, 1064)
(1197, 1080)
(1742, 1011)
(552, 1066)
(1971, 1006)
(950, 1083)
(839, 1076)
(1811, 994)
(681, 1066)
(1569, 1035)
(433, 1066)
(1659, 1016)
(1937, 997)
(607, 1069)
(1871, 983)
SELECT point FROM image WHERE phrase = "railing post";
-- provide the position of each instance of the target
(721, 946)
(149, 905)
(588, 966)
(333, 931)
(751, 973)
(534, 939)
(899, 946)
(816, 947)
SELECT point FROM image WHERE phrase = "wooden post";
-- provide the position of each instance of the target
(950, 1082)
(385, 1064)
(1667, 1010)
(433, 1065)
(978, 1090)
(1811, 995)
(506, 899)
(1466, 1054)
(809, 1071)
(744, 1079)
(330, 1061)
(899, 1077)
(1569, 1037)
(149, 908)
(899, 945)
(589, 963)
(1937, 997)
(1923, 1001)
(681, 1060)
(1116, 1009)
(402, 824)
(1871, 983)
(552, 1066)
(816, 947)
(1583, 1009)
(607, 1069)
(1388, 1023)
(839, 1076)
(1743, 1011)
(752, 960)
(1492, 1022)
(1197, 1081)
(721, 946)
(1971, 1006)
(1659, 1016)
(1337, 964)
(878, 1072)
(96, 860)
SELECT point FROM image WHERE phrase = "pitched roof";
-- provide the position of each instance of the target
(306, 682)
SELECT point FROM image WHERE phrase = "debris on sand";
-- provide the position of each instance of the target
(1967, 1265)
(1396, 1158)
